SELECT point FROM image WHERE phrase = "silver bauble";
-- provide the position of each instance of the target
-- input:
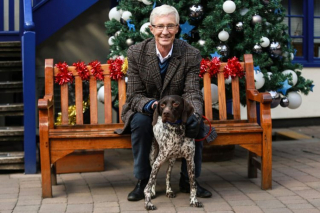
(257, 49)
(196, 12)
(239, 26)
(275, 49)
(284, 102)
(265, 2)
(276, 98)
(256, 19)
(129, 41)
(223, 50)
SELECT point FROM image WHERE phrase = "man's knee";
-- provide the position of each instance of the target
(141, 122)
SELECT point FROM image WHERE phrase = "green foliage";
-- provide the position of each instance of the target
(212, 23)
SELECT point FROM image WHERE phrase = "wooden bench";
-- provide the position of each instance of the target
(59, 141)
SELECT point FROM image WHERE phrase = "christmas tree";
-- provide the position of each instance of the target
(224, 29)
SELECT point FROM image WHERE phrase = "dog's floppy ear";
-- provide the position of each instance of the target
(156, 115)
(187, 111)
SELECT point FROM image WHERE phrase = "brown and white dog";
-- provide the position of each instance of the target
(169, 121)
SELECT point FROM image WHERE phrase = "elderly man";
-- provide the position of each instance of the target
(158, 67)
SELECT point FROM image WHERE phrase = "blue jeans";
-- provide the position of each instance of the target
(141, 140)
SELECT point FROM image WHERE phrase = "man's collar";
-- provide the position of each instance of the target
(163, 59)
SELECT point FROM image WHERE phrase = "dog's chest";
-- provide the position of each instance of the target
(169, 137)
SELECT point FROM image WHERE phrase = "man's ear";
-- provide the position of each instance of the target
(187, 111)
(156, 115)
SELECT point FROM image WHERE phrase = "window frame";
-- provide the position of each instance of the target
(308, 59)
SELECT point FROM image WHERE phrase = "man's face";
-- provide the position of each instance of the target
(164, 37)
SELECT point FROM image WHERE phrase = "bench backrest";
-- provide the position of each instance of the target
(51, 72)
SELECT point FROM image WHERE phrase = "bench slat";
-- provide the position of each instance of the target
(107, 100)
(207, 96)
(93, 100)
(79, 100)
(236, 99)
(222, 96)
(64, 103)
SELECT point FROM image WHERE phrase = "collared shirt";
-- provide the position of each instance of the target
(165, 58)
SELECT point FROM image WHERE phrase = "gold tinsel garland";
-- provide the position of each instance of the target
(72, 113)
(124, 67)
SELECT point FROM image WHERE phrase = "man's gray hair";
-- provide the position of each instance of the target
(164, 10)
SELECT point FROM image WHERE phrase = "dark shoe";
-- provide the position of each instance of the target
(137, 193)
(185, 188)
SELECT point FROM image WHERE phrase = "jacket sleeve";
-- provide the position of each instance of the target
(192, 92)
(136, 90)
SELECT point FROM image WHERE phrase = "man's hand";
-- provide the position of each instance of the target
(193, 126)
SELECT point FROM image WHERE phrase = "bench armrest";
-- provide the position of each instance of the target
(255, 95)
(45, 103)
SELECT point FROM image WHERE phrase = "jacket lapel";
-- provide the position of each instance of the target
(154, 64)
(173, 65)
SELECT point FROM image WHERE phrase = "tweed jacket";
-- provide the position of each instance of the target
(144, 80)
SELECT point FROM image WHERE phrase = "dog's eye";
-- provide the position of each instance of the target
(175, 104)
(162, 105)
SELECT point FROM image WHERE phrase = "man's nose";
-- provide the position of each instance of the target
(165, 31)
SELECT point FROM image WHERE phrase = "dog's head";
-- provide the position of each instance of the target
(172, 108)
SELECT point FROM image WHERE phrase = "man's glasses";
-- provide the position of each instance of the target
(161, 27)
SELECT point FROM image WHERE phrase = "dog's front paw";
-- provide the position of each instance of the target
(150, 206)
(170, 194)
(196, 204)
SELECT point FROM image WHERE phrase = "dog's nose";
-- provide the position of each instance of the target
(165, 113)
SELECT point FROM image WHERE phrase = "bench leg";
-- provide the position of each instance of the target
(45, 170)
(252, 168)
(266, 162)
(54, 174)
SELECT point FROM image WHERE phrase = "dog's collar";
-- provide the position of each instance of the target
(175, 123)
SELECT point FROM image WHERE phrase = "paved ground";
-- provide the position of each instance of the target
(296, 184)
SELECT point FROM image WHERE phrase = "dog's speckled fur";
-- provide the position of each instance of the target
(170, 143)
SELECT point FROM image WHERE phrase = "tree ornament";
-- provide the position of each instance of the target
(143, 30)
(257, 49)
(214, 93)
(111, 40)
(202, 42)
(129, 41)
(228, 80)
(265, 42)
(186, 28)
(239, 26)
(131, 26)
(126, 15)
(244, 11)
(196, 12)
(265, 2)
(269, 75)
(117, 33)
(285, 87)
(276, 98)
(229, 6)
(146, 2)
(259, 79)
(284, 102)
(114, 13)
(256, 19)
(223, 35)
(293, 76)
(295, 100)
(275, 49)
(101, 94)
(223, 50)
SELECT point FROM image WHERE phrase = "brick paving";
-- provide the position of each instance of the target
(296, 185)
